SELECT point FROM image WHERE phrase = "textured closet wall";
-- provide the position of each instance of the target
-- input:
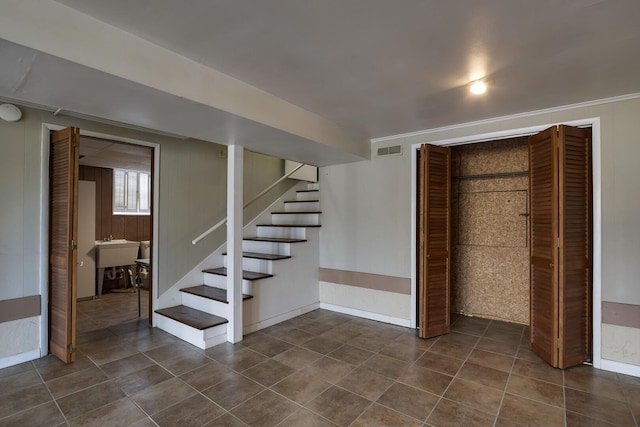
(490, 259)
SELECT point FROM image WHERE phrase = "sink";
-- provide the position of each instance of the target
(116, 252)
(113, 242)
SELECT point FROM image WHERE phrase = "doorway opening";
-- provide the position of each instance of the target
(92, 240)
(114, 205)
(479, 200)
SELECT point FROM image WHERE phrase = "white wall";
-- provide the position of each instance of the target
(367, 205)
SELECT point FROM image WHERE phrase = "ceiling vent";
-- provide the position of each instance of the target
(393, 150)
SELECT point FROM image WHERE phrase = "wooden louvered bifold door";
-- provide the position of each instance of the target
(560, 196)
(575, 231)
(434, 225)
(63, 239)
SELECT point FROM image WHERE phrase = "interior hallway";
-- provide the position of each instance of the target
(321, 369)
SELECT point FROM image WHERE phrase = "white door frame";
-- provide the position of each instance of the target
(596, 177)
(44, 221)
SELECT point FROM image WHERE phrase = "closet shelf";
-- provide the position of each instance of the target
(492, 175)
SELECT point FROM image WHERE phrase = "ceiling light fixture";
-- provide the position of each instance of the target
(10, 113)
(478, 87)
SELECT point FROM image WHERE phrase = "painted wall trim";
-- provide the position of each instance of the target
(621, 368)
(16, 359)
(615, 313)
(508, 117)
(378, 282)
(19, 308)
(596, 176)
(366, 314)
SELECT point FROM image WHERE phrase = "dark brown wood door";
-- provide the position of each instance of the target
(560, 187)
(434, 184)
(63, 243)
(575, 230)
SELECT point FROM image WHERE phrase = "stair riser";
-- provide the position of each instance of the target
(266, 247)
(252, 264)
(307, 195)
(207, 305)
(282, 232)
(219, 281)
(203, 339)
(295, 218)
(302, 206)
(313, 186)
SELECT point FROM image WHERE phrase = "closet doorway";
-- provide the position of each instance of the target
(513, 240)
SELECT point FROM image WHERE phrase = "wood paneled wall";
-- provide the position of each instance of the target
(130, 227)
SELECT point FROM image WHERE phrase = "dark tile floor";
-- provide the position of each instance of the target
(318, 369)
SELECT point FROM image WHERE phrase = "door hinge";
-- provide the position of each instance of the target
(71, 348)
(558, 242)
(73, 245)
(74, 140)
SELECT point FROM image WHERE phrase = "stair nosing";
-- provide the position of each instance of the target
(306, 191)
(274, 240)
(288, 225)
(302, 201)
(294, 212)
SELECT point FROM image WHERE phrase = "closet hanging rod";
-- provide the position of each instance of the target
(492, 175)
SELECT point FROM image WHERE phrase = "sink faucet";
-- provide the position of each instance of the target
(108, 238)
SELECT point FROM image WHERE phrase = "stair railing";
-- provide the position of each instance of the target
(223, 221)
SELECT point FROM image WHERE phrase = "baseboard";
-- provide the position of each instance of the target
(367, 314)
(19, 358)
(619, 367)
(280, 318)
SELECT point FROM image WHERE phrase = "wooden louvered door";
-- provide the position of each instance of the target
(434, 183)
(560, 192)
(63, 239)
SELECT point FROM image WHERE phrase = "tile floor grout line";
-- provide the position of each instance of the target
(504, 392)
(64, 416)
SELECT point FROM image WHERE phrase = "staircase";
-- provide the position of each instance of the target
(203, 316)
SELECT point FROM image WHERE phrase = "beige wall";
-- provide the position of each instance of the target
(192, 197)
(367, 205)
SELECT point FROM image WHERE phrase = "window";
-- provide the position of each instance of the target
(131, 192)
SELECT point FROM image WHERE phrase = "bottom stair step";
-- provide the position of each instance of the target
(195, 318)
(212, 293)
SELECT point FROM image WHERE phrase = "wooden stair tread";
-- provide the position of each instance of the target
(211, 293)
(258, 255)
(302, 201)
(246, 275)
(274, 240)
(294, 212)
(289, 225)
(192, 317)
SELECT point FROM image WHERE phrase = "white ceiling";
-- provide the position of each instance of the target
(103, 153)
(379, 68)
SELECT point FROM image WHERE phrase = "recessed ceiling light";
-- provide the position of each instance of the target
(478, 87)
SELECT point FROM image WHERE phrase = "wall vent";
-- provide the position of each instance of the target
(392, 150)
